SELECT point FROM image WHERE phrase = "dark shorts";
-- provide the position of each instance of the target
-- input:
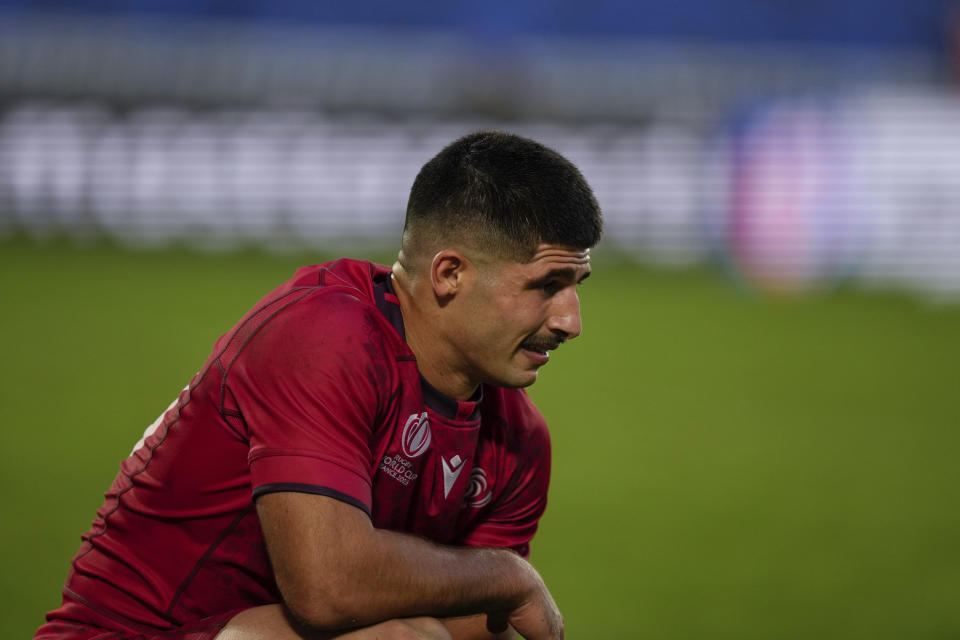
(76, 621)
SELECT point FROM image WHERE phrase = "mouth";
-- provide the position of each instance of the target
(539, 350)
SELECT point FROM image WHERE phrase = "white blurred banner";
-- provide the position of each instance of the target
(794, 193)
(169, 174)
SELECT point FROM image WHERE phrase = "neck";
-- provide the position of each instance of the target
(425, 337)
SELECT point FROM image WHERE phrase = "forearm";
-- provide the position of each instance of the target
(356, 575)
(449, 581)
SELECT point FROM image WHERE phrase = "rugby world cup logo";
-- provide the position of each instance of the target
(415, 438)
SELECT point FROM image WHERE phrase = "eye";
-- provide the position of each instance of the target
(551, 287)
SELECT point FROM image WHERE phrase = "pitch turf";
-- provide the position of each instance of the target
(724, 467)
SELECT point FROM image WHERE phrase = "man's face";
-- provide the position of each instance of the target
(515, 313)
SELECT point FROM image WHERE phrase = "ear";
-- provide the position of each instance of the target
(449, 272)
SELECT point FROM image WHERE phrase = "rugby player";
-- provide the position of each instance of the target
(357, 458)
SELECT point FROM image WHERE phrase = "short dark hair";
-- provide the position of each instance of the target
(501, 192)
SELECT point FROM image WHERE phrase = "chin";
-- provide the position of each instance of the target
(520, 380)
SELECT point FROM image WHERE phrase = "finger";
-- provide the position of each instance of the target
(497, 621)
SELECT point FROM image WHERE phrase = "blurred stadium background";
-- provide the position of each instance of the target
(756, 436)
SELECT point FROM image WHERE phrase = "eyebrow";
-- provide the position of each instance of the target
(564, 274)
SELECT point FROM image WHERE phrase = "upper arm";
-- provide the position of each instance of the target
(314, 542)
(307, 385)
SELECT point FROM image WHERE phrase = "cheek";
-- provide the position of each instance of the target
(492, 329)
(519, 322)
(500, 322)
(481, 325)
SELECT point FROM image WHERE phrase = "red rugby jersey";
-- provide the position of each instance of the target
(315, 391)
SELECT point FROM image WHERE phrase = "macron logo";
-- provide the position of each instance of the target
(451, 471)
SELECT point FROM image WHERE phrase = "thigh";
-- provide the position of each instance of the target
(76, 621)
(270, 622)
(70, 630)
(73, 630)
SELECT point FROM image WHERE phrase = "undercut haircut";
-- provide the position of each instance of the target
(500, 193)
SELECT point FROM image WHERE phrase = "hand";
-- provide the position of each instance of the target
(537, 617)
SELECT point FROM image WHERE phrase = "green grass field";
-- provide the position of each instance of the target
(724, 467)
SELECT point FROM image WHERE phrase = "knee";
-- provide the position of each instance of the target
(417, 629)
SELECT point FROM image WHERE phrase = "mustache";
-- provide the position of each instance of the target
(537, 343)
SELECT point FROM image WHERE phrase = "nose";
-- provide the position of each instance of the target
(564, 319)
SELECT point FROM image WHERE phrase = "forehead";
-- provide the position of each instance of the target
(550, 257)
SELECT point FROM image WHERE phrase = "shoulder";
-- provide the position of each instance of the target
(313, 317)
(324, 308)
(329, 294)
(312, 349)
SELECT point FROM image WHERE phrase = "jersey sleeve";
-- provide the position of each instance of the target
(515, 513)
(307, 386)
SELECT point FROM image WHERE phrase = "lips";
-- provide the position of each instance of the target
(538, 357)
(539, 350)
